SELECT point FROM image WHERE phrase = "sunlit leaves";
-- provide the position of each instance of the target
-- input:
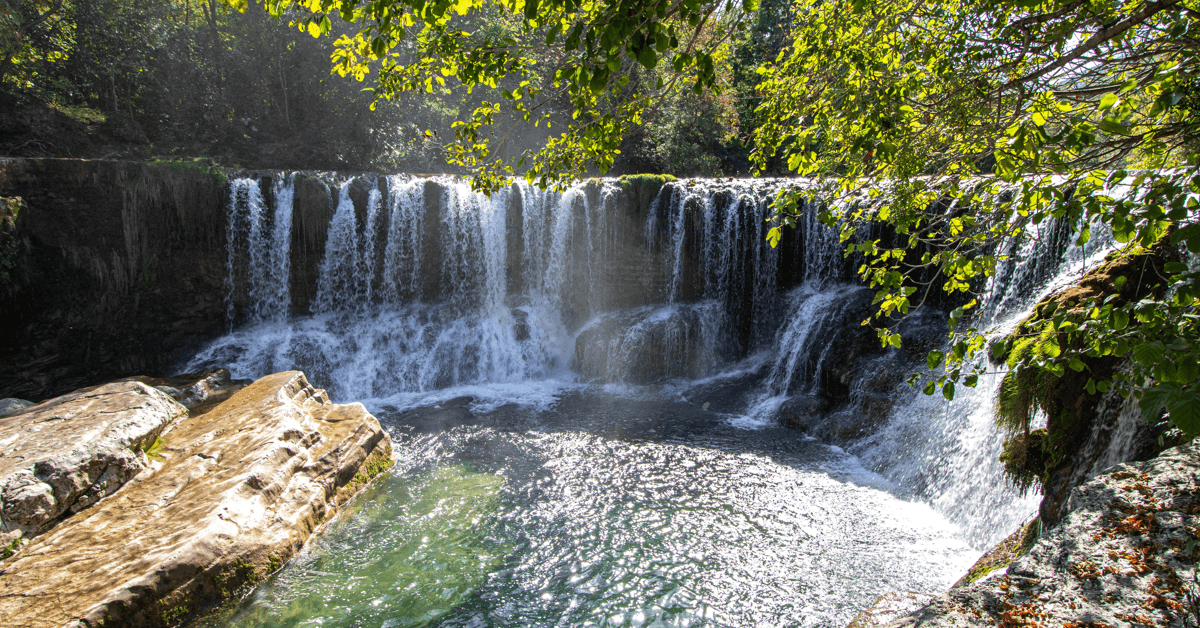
(409, 45)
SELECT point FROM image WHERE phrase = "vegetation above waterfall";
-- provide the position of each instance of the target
(1083, 113)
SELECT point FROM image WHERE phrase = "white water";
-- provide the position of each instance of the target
(266, 242)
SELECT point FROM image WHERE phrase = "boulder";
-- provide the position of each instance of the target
(69, 452)
(1121, 556)
(190, 389)
(645, 345)
(12, 406)
(241, 487)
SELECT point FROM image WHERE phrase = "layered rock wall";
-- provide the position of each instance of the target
(117, 268)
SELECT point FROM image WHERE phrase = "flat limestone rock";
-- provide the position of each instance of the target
(1120, 557)
(241, 488)
(65, 454)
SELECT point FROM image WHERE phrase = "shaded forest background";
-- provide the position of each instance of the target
(180, 79)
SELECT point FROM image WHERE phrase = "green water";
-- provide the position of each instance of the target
(482, 528)
(406, 560)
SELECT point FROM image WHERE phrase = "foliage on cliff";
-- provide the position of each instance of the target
(1054, 329)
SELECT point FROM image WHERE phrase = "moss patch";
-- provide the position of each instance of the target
(376, 463)
(1015, 546)
(175, 608)
(10, 242)
(641, 190)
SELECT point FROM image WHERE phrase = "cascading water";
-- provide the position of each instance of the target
(958, 442)
(570, 385)
(264, 270)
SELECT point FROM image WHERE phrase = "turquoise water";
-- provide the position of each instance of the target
(405, 554)
(558, 527)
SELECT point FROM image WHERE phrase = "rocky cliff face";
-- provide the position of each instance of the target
(238, 487)
(112, 268)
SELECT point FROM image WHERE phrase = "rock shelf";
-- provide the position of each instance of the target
(1122, 556)
(237, 489)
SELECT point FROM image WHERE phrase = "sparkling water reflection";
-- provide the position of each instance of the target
(553, 526)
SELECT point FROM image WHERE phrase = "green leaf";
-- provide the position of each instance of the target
(1153, 400)
(948, 391)
(647, 57)
(930, 387)
(1190, 235)
(1111, 126)
(1148, 353)
(1184, 406)
(934, 359)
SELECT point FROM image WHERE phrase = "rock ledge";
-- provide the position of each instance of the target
(242, 486)
(1120, 557)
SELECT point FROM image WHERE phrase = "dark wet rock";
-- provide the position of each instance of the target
(122, 272)
(1119, 557)
(437, 417)
(520, 325)
(803, 412)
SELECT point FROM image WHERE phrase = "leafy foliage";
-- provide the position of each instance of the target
(1011, 114)
(588, 55)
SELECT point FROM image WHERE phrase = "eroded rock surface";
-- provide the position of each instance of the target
(66, 454)
(1120, 557)
(190, 389)
(242, 486)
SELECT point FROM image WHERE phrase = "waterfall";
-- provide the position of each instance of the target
(957, 443)
(348, 264)
(402, 259)
(425, 290)
(258, 248)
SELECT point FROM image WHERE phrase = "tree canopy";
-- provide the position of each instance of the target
(597, 57)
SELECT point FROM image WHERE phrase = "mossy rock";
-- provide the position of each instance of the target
(1064, 399)
(1005, 552)
(642, 189)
